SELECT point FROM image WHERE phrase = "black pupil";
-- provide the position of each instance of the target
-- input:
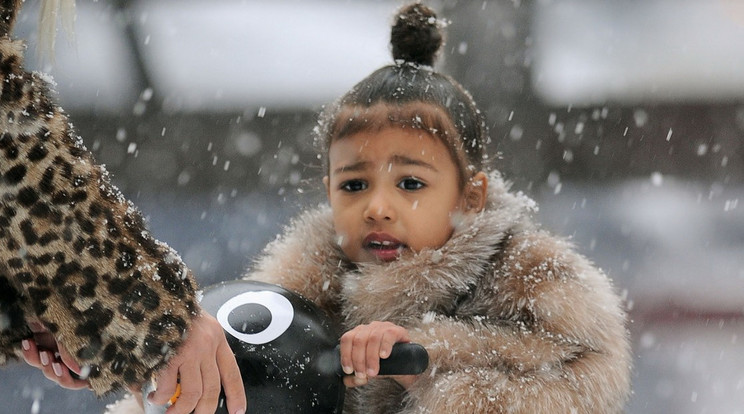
(250, 318)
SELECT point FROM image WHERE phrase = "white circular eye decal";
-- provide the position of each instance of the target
(282, 314)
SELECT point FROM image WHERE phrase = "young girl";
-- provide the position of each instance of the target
(420, 244)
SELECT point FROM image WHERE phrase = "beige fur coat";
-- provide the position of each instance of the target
(513, 319)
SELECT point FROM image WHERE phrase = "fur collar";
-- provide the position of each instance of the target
(401, 291)
(434, 280)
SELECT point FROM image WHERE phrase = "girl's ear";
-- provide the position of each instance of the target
(476, 192)
(326, 181)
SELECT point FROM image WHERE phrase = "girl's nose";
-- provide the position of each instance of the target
(379, 208)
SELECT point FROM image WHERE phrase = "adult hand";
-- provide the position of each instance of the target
(52, 358)
(203, 362)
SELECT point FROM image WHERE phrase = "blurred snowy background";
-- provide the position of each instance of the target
(624, 120)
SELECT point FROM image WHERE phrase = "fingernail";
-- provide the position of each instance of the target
(371, 372)
(348, 370)
(26, 346)
(241, 411)
(360, 375)
(57, 369)
(44, 358)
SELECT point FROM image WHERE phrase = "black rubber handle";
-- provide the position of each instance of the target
(405, 359)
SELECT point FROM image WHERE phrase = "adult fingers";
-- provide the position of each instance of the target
(31, 353)
(63, 377)
(54, 370)
(167, 381)
(191, 390)
(232, 381)
(68, 360)
(210, 391)
(46, 358)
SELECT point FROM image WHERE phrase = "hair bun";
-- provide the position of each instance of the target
(416, 35)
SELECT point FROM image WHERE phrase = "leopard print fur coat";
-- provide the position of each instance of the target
(514, 320)
(75, 255)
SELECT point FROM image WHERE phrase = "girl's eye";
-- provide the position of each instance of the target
(411, 184)
(353, 186)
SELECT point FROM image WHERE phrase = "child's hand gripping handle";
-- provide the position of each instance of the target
(405, 359)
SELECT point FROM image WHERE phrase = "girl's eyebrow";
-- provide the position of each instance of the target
(405, 160)
(395, 160)
(357, 166)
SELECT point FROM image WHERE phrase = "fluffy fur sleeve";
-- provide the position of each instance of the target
(553, 340)
(74, 254)
(304, 261)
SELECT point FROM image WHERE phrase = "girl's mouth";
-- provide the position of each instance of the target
(383, 247)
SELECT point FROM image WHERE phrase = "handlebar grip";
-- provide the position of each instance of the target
(405, 359)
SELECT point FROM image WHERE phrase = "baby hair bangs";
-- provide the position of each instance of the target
(351, 120)
(435, 121)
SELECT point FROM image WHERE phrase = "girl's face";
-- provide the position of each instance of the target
(392, 192)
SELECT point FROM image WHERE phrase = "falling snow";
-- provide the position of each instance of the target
(663, 221)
